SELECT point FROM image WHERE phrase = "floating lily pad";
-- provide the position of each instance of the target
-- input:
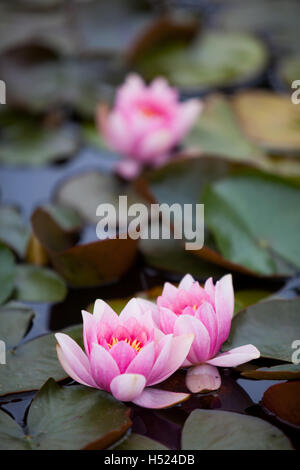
(29, 364)
(39, 81)
(271, 326)
(217, 132)
(15, 320)
(139, 442)
(98, 188)
(87, 264)
(67, 418)
(247, 297)
(184, 180)
(288, 70)
(25, 141)
(270, 119)
(37, 284)
(208, 430)
(7, 273)
(213, 59)
(281, 372)
(277, 20)
(240, 213)
(171, 256)
(13, 231)
(283, 400)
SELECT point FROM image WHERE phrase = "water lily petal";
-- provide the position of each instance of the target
(207, 316)
(123, 354)
(155, 399)
(186, 282)
(103, 366)
(143, 361)
(224, 306)
(104, 313)
(89, 331)
(73, 360)
(235, 356)
(203, 378)
(199, 351)
(127, 387)
(167, 320)
(180, 347)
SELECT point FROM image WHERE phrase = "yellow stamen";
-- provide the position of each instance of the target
(134, 344)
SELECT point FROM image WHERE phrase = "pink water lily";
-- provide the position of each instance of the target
(207, 313)
(145, 123)
(125, 355)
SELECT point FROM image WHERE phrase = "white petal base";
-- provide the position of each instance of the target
(155, 399)
(203, 378)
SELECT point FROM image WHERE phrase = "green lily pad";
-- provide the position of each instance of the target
(139, 442)
(67, 418)
(11, 434)
(7, 273)
(277, 20)
(76, 84)
(97, 188)
(281, 372)
(217, 132)
(170, 256)
(183, 181)
(37, 284)
(271, 326)
(13, 231)
(213, 59)
(271, 120)
(99, 28)
(25, 141)
(30, 363)
(208, 430)
(239, 211)
(247, 297)
(15, 320)
(288, 70)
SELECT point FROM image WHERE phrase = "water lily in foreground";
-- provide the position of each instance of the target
(145, 123)
(125, 355)
(207, 313)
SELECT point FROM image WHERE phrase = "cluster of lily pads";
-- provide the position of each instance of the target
(241, 159)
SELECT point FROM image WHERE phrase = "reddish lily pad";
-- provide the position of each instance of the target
(271, 120)
(281, 372)
(87, 264)
(67, 418)
(283, 400)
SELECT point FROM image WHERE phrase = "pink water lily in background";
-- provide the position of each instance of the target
(207, 313)
(125, 355)
(145, 123)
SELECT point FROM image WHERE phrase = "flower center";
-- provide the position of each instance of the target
(135, 344)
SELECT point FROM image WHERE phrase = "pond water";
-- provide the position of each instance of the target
(28, 187)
